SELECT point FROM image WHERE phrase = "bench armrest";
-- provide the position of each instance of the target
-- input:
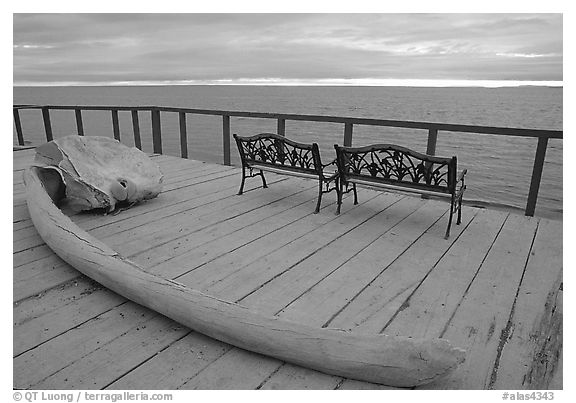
(333, 162)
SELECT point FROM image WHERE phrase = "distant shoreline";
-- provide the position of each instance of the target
(283, 86)
(328, 83)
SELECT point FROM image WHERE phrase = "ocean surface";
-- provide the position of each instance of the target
(499, 168)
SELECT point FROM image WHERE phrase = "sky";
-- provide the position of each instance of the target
(287, 49)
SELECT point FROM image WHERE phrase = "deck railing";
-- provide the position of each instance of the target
(433, 128)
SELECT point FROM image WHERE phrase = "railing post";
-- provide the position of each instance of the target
(79, 123)
(432, 138)
(536, 175)
(18, 125)
(156, 131)
(115, 124)
(47, 124)
(281, 130)
(226, 138)
(183, 135)
(136, 129)
(348, 128)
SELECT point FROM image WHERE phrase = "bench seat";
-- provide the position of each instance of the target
(328, 173)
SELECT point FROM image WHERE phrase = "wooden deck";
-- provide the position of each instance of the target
(494, 288)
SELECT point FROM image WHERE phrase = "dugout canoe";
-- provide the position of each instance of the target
(382, 359)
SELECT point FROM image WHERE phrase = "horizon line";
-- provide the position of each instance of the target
(368, 82)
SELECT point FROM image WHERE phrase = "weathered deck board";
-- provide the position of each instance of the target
(534, 332)
(427, 310)
(381, 265)
(484, 310)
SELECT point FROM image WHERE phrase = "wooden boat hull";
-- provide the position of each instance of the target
(389, 360)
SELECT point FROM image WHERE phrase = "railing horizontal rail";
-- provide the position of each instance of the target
(505, 131)
(155, 112)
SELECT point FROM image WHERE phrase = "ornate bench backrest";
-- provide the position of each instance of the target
(396, 165)
(277, 151)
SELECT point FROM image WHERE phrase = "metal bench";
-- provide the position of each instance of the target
(274, 153)
(394, 167)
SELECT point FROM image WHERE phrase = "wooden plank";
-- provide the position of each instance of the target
(291, 377)
(320, 250)
(208, 177)
(111, 360)
(220, 245)
(41, 275)
(372, 309)
(38, 364)
(214, 193)
(31, 255)
(172, 367)
(22, 159)
(532, 340)
(50, 301)
(19, 225)
(39, 329)
(287, 228)
(187, 223)
(378, 302)
(427, 310)
(223, 373)
(350, 384)
(276, 293)
(556, 383)
(251, 278)
(400, 229)
(483, 314)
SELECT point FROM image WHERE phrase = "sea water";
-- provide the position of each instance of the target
(499, 167)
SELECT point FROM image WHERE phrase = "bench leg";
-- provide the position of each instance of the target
(459, 220)
(338, 193)
(264, 185)
(355, 194)
(243, 179)
(452, 202)
(317, 210)
(340, 187)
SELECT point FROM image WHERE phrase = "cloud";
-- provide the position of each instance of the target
(168, 47)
